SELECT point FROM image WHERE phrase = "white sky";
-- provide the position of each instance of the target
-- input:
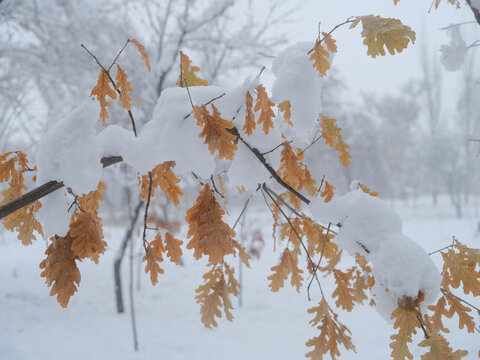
(388, 73)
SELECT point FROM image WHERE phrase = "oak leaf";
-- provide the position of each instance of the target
(60, 269)
(264, 105)
(439, 310)
(91, 202)
(440, 349)
(87, 235)
(142, 51)
(250, 124)
(319, 57)
(101, 90)
(288, 265)
(125, 87)
(153, 256)
(210, 235)
(214, 131)
(464, 319)
(172, 246)
(343, 292)
(458, 270)
(291, 167)
(330, 42)
(328, 192)
(163, 177)
(366, 190)
(379, 32)
(187, 76)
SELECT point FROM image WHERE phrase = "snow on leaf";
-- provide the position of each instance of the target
(214, 131)
(319, 57)
(172, 246)
(210, 235)
(379, 32)
(125, 87)
(142, 51)
(101, 90)
(328, 192)
(250, 124)
(188, 76)
(60, 269)
(264, 104)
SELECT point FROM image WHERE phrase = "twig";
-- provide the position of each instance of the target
(319, 261)
(458, 24)
(118, 55)
(23, 161)
(459, 298)
(320, 187)
(298, 236)
(243, 210)
(331, 31)
(207, 103)
(145, 216)
(130, 115)
(275, 148)
(423, 327)
(444, 248)
(215, 187)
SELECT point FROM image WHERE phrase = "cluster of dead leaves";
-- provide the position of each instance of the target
(333, 138)
(381, 32)
(84, 239)
(264, 105)
(13, 165)
(106, 86)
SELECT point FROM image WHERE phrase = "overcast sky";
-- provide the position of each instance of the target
(387, 73)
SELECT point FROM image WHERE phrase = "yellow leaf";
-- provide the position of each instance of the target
(264, 104)
(60, 269)
(101, 90)
(125, 87)
(214, 131)
(319, 57)
(379, 32)
(366, 190)
(188, 76)
(141, 50)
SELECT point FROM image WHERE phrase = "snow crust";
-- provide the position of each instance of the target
(54, 214)
(69, 151)
(298, 81)
(368, 226)
(453, 54)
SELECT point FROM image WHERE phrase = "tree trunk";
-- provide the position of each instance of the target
(118, 260)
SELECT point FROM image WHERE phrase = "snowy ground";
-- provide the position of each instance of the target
(267, 326)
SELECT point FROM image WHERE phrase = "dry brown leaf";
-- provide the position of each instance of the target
(60, 269)
(87, 235)
(101, 90)
(142, 51)
(125, 87)
(284, 107)
(264, 104)
(188, 76)
(172, 246)
(214, 131)
(330, 42)
(328, 192)
(250, 124)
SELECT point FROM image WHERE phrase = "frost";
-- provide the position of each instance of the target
(453, 54)
(298, 81)
(370, 227)
(68, 152)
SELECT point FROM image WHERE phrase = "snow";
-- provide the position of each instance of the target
(299, 82)
(453, 54)
(475, 4)
(370, 227)
(68, 152)
(54, 215)
(267, 326)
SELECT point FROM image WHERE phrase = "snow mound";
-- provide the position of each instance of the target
(368, 226)
(453, 54)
